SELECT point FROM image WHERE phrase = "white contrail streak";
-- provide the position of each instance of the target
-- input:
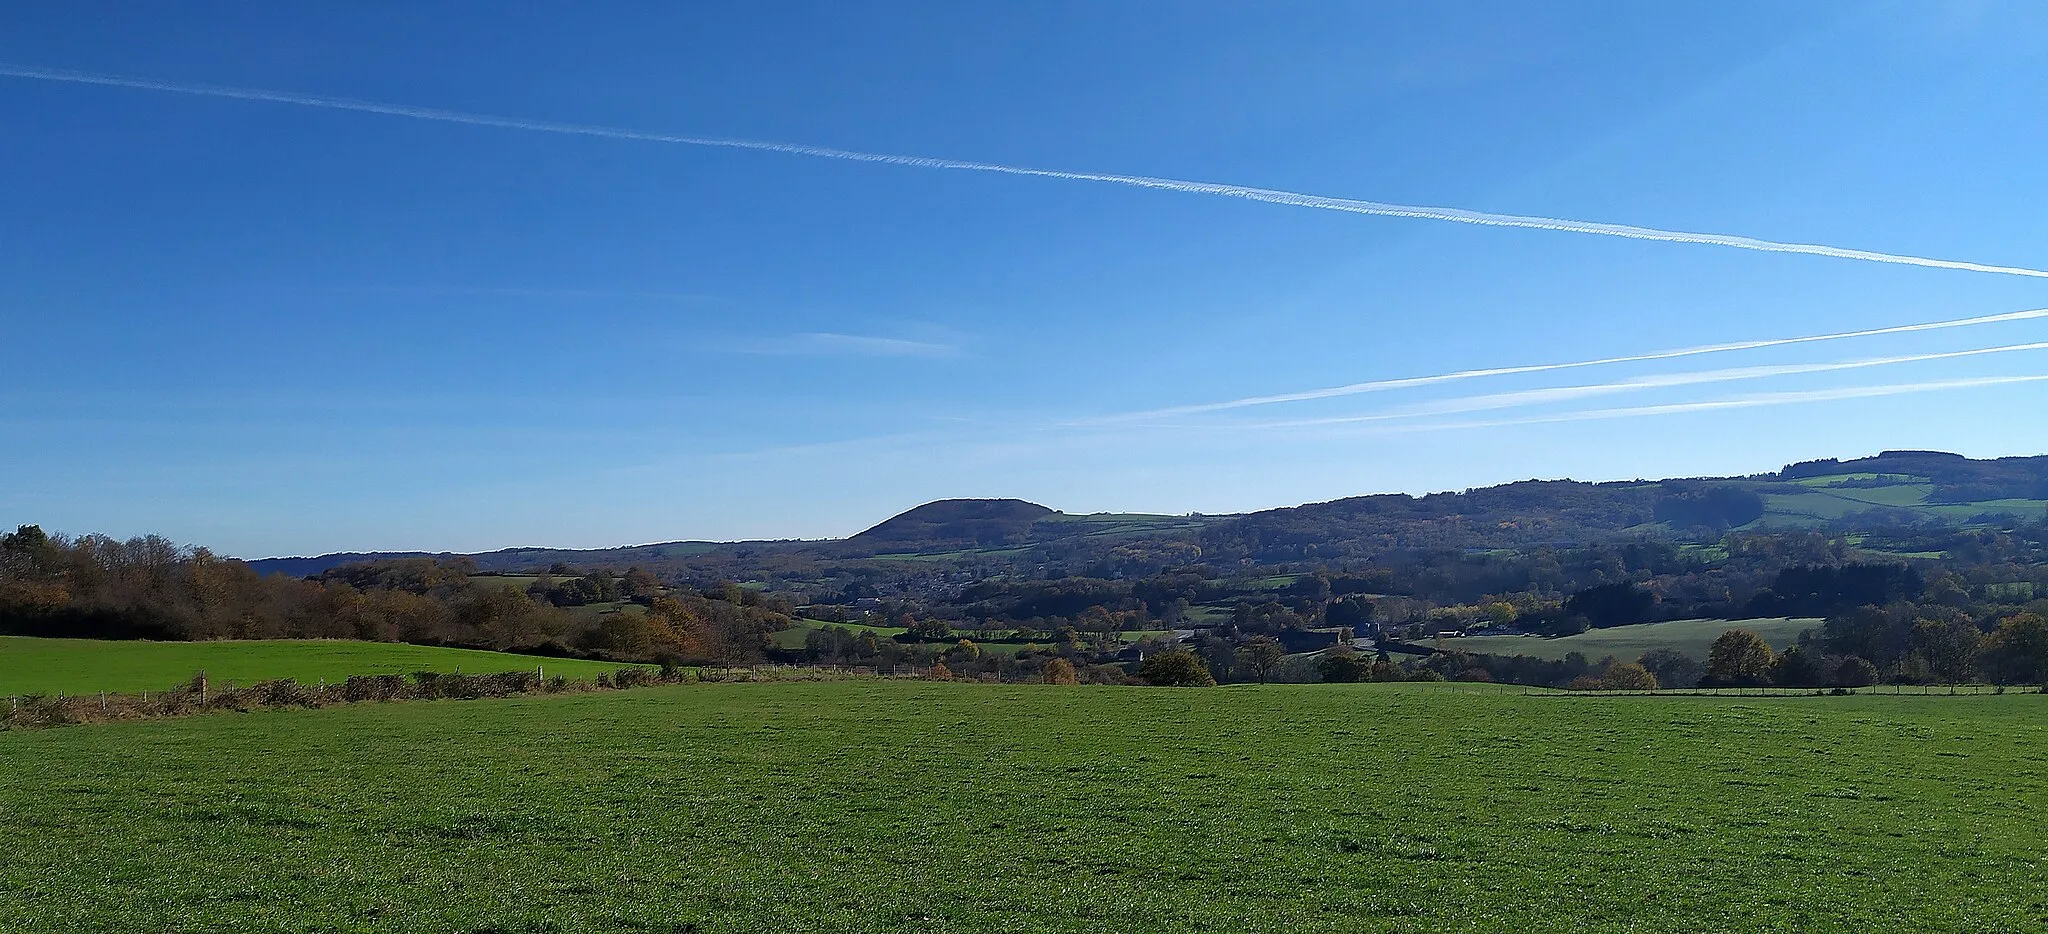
(1753, 401)
(1509, 400)
(1268, 195)
(1756, 400)
(1414, 381)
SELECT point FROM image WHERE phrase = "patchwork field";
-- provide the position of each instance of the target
(79, 666)
(906, 806)
(1691, 636)
(1830, 498)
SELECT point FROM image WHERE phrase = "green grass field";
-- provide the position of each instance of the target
(1691, 636)
(1825, 499)
(793, 637)
(907, 806)
(81, 666)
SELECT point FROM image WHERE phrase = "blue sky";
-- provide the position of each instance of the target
(275, 328)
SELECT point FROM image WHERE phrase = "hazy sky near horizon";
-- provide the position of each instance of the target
(280, 327)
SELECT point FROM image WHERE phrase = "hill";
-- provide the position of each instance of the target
(1877, 494)
(956, 522)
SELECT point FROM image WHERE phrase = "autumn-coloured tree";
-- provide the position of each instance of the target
(2017, 651)
(1059, 671)
(1628, 676)
(1739, 658)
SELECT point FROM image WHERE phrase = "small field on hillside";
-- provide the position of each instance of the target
(81, 666)
(907, 806)
(1691, 636)
(1829, 498)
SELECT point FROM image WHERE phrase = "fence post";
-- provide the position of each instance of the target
(103, 702)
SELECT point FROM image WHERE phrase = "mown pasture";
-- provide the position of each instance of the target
(1691, 636)
(81, 666)
(915, 806)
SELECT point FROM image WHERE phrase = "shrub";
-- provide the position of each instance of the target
(1340, 669)
(1059, 671)
(1176, 668)
(1628, 676)
(1854, 672)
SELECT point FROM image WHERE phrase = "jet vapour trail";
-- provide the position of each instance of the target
(1409, 382)
(1757, 400)
(1267, 195)
(1509, 400)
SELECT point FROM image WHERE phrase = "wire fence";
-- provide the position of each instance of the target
(1892, 690)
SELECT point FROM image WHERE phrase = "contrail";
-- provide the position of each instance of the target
(1753, 401)
(1413, 381)
(1267, 195)
(1509, 400)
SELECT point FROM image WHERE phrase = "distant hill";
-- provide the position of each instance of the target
(965, 522)
(509, 559)
(1890, 490)
(296, 566)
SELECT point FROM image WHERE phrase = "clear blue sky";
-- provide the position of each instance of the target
(279, 329)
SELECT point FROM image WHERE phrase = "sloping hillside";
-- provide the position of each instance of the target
(1890, 490)
(956, 523)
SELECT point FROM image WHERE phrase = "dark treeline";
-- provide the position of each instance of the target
(94, 586)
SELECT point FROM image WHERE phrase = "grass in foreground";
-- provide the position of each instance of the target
(890, 806)
(1691, 636)
(82, 666)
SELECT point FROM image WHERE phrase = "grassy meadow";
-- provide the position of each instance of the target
(1829, 498)
(80, 666)
(911, 806)
(1691, 636)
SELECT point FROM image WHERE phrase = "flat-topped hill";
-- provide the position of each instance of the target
(979, 522)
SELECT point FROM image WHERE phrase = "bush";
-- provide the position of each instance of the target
(1628, 676)
(284, 693)
(1340, 669)
(1176, 668)
(1854, 672)
(1059, 671)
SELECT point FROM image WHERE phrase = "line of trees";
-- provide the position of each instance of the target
(1860, 649)
(94, 586)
